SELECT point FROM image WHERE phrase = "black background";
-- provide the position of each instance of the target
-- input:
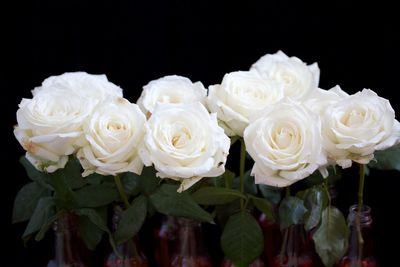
(355, 44)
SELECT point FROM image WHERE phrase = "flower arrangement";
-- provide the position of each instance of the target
(87, 148)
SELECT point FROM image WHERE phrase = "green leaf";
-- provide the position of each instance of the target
(315, 200)
(224, 212)
(225, 180)
(242, 239)
(131, 220)
(211, 195)
(168, 201)
(96, 195)
(94, 178)
(26, 201)
(131, 183)
(249, 184)
(151, 210)
(43, 212)
(72, 173)
(316, 177)
(291, 211)
(45, 227)
(148, 180)
(388, 159)
(64, 197)
(234, 139)
(228, 177)
(331, 237)
(99, 221)
(90, 232)
(41, 177)
(271, 193)
(265, 207)
(218, 181)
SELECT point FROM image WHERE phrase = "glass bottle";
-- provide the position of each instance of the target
(165, 235)
(69, 248)
(352, 257)
(190, 249)
(256, 263)
(130, 251)
(296, 249)
(272, 237)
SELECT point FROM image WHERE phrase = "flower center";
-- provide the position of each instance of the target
(283, 138)
(115, 126)
(287, 79)
(355, 117)
(168, 99)
(180, 138)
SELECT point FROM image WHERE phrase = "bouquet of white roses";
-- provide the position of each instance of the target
(86, 148)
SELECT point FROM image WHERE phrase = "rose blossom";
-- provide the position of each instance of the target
(50, 124)
(298, 79)
(286, 144)
(356, 126)
(113, 135)
(241, 95)
(170, 89)
(50, 127)
(321, 99)
(185, 143)
(83, 84)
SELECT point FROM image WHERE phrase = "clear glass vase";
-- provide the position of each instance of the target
(165, 236)
(131, 254)
(69, 248)
(256, 263)
(190, 249)
(356, 256)
(296, 249)
(272, 238)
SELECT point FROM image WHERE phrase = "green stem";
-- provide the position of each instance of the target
(361, 187)
(287, 191)
(358, 218)
(124, 198)
(242, 168)
(326, 187)
(283, 246)
(121, 190)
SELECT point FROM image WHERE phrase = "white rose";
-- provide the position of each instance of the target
(170, 89)
(241, 95)
(84, 84)
(185, 143)
(321, 99)
(299, 80)
(286, 144)
(113, 135)
(50, 127)
(356, 126)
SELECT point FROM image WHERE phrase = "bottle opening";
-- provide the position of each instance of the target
(365, 215)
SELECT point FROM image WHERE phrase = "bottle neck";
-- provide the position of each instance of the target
(67, 222)
(365, 216)
(296, 250)
(366, 230)
(116, 218)
(129, 248)
(168, 228)
(67, 243)
(190, 237)
(295, 237)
